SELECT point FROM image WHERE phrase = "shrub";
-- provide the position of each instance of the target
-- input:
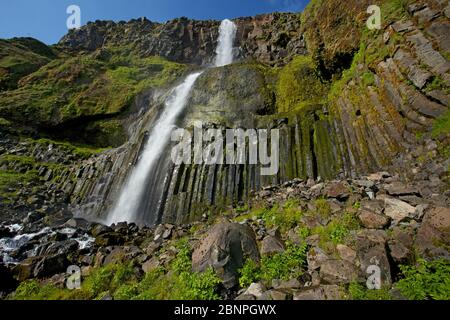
(426, 280)
(285, 265)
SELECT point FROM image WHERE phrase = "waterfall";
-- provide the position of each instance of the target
(224, 51)
(135, 193)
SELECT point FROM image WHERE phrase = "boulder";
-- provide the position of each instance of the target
(98, 229)
(338, 272)
(109, 239)
(286, 285)
(151, 265)
(277, 295)
(434, 233)
(346, 253)
(396, 209)
(397, 188)
(371, 251)
(225, 248)
(324, 292)
(271, 245)
(338, 190)
(315, 258)
(50, 265)
(372, 220)
(256, 290)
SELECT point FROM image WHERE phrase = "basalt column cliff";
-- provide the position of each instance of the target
(363, 117)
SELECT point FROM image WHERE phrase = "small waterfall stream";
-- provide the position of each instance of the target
(141, 189)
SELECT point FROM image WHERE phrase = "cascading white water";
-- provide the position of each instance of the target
(128, 203)
(224, 50)
(127, 206)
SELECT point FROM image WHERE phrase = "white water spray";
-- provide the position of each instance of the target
(224, 50)
(127, 206)
(128, 203)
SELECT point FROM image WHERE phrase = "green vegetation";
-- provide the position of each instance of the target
(20, 57)
(442, 125)
(284, 266)
(394, 10)
(358, 291)
(426, 280)
(299, 86)
(285, 216)
(122, 282)
(336, 231)
(9, 181)
(86, 85)
(80, 150)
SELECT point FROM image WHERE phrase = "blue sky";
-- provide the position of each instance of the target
(46, 19)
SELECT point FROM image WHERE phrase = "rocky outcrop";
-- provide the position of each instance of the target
(271, 39)
(225, 249)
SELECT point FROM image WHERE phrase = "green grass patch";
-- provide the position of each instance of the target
(441, 125)
(122, 282)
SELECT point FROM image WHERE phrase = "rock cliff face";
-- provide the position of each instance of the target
(376, 113)
(271, 39)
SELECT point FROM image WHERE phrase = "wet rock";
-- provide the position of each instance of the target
(109, 239)
(372, 220)
(6, 233)
(33, 217)
(99, 229)
(50, 265)
(78, 223)
(271, 245)
(324, 292)
(167, 234)
(338, 272)
(225, 248)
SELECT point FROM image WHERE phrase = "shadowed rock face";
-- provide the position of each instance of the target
(271, 39)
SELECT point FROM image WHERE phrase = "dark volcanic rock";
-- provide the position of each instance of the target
(434, 233)
(225, 248)
(270, 38)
